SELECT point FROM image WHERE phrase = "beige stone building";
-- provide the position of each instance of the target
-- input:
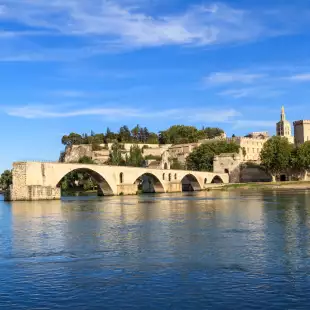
(301, 131)
(181, 151)
(251, 147)
(284, 128)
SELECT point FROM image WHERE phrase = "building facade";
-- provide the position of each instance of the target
(301, 131)
(250, 148)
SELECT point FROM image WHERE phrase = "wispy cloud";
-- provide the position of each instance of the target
(303, 77)
(101, 25)
(119, 113)
(232, 77)
(71, 94)
(257, 92)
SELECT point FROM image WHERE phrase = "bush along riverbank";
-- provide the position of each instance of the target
(293, 185)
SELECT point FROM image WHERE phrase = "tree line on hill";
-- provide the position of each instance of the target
(174, 135)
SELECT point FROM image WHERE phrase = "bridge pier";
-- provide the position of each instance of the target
(20, 190)
(174, 187)
(127, 189)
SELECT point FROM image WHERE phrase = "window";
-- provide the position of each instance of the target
(163, 176)
(169, 176)
(175, 176)
(121, 178)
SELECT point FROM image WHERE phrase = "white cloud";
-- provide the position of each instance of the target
(52, 111)
(237, 93)
(232, 77)
(257, 92)
(303, 77)
(103, 25)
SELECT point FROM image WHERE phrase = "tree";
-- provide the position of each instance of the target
(6, 179)
(110, 136)
(135, 133)
(152, 138)
(72, 139)
(201, 159)
(115, 157)
(135, 158)
(86, 160)
(300, 157)
(176, 165)
(211, 132)
(276, 155)
(243, 151)
(124, 135)
(187, 134)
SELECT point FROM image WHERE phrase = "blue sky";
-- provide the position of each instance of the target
(81, 65)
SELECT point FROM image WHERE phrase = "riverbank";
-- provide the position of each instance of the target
(293, 185)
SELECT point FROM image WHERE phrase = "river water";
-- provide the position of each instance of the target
(222, 250)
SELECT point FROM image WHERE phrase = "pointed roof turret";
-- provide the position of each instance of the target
(283, 117)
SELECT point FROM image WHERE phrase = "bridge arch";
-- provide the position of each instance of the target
(149, 183)
(104, 187)
(190, 183)
(217, 180)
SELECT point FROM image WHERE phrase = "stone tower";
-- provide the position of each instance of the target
(302, 131)
(284, 128)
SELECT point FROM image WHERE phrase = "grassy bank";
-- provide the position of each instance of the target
(291, 185)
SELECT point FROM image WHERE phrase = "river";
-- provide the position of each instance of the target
(221, 250)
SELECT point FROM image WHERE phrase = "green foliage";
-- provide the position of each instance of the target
(77, 181)
(243, 151)
(72, 138)
(98, 147)
(6, 179)
(276, 155)
(116, 157)
(138, 134)
(176, 165)
(300, 157)
(86, 160)
(135, 158)
(179, 134)
(150, 157)
(201, 159)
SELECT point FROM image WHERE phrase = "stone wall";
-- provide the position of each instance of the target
(254, 174)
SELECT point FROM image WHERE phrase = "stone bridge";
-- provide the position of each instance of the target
(41, 181)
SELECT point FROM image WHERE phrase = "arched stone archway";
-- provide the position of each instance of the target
(190, 183)
(149, 183)
(103, 187)
(217, 180)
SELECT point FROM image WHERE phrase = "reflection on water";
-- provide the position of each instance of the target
(222, 250)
